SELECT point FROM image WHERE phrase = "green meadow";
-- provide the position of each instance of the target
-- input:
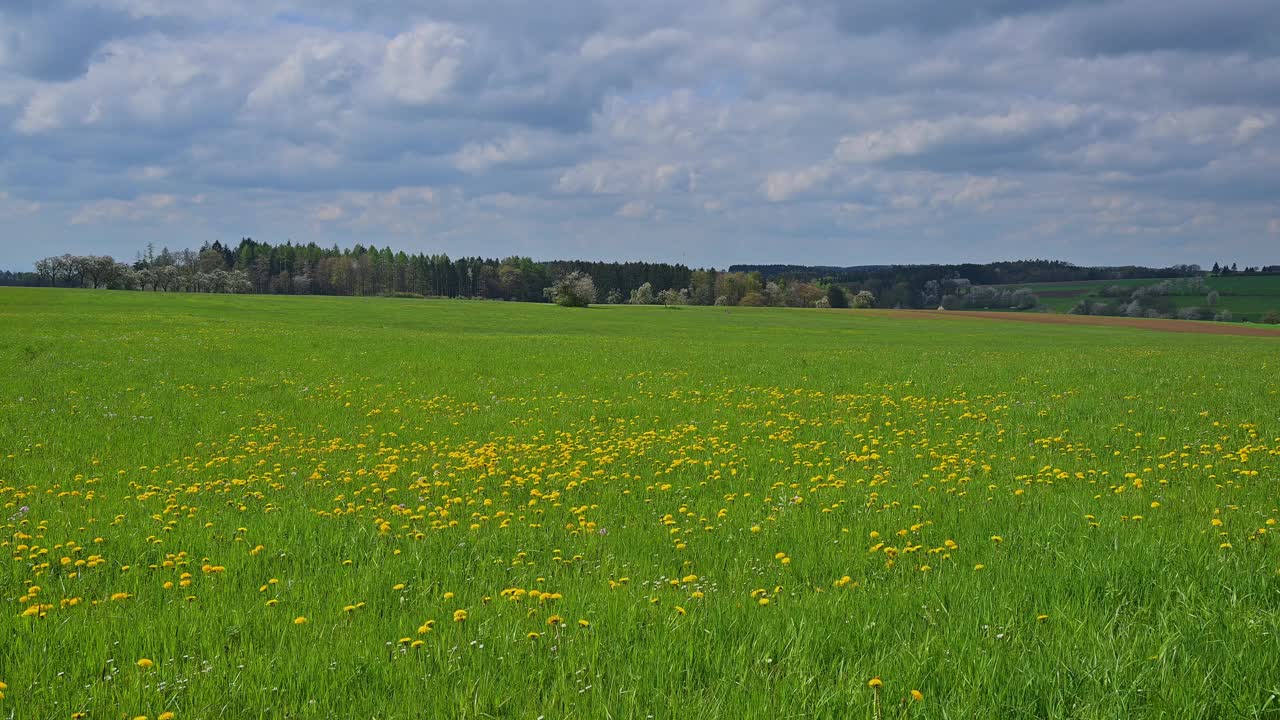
(217, 506)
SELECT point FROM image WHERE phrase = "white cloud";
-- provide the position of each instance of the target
(144, 208)
(632, 175)
(782, 185)
(975, 192)
(601, 46)
(328, 213)
(41, 113)
(11, 207)
(1251, 125)
(515, 147)
(421, 65)
(635, 209)
(920, 136)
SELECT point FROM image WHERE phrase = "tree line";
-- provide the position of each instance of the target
(295, 269)
(300, 269)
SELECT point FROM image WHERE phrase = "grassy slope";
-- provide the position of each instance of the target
(191, 417)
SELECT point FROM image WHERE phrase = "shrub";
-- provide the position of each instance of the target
(864, 299)
(643, 295)
(1271, 318)
(672, 297)
(1024, 299)
(576, 289)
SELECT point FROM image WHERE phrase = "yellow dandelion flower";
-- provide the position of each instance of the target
(300, 620)
(680, 610)
(459, 616)
(533, 636)
(145, 663)
(555, 620)
(917, 695)
(875, 683)
(583, 623)
(170, 715)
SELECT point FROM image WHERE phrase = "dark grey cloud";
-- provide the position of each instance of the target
(931, 17)
(748, 130)
(56, 40)
(1145, 26)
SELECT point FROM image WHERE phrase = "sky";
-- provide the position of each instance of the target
(835, 132)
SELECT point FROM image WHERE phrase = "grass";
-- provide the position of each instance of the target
(1015, 520)
(1248, 297)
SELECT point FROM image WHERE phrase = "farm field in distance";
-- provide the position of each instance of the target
(223, 506)
(1248, 297)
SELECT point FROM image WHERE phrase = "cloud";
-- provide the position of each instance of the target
(328, 213)
(635, 209)
(919, 137)
(421, 65)
(1251, 126)
(756, 130)
(12, 207)
(1145, 26)
(515, 147)
(975, 192)
(781, 185)
(58, 39)
(158, 207)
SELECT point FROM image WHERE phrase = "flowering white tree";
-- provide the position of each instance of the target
(576, 289)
